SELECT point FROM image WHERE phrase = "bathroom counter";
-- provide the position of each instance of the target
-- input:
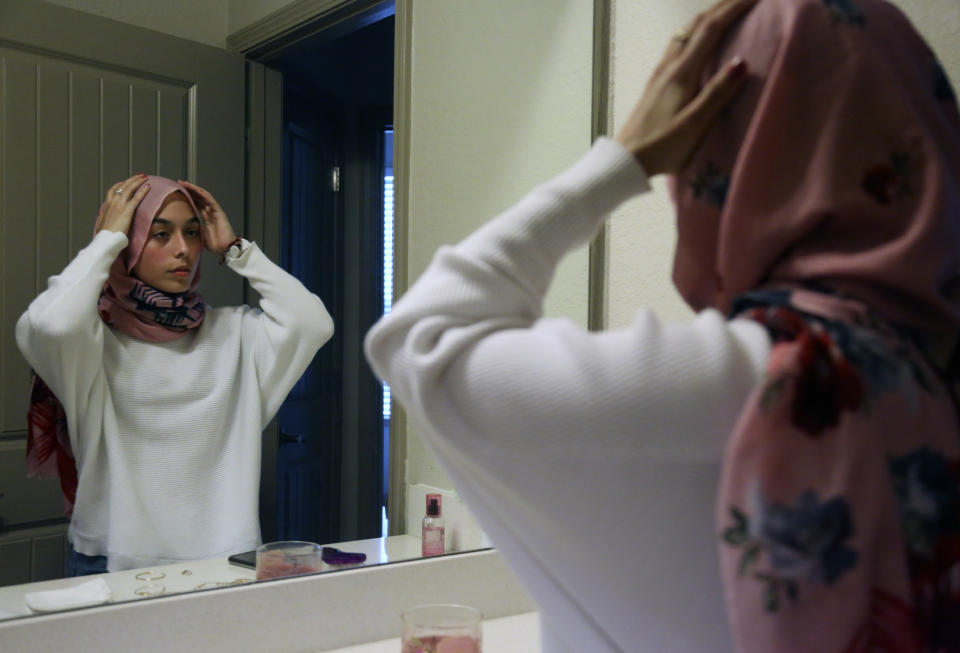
(136, 584)
(357, 607)
(515, 634)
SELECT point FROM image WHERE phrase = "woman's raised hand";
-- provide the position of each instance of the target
(671, 117)
(121, 204)
(217, 232)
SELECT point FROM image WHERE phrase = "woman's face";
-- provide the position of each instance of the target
(169, 258)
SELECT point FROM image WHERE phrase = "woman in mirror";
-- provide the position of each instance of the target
(163, 397)
(781, 473)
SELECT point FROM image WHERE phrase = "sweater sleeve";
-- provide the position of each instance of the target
(294, 324)
(61, 333)
(467, 347)
(555, 435)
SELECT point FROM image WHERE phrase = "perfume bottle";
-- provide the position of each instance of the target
(432, 533)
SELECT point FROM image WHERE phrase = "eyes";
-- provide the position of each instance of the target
(163, 236)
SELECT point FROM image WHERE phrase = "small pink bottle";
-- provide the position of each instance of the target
(432, 535)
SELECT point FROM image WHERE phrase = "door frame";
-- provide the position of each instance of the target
(265, 38)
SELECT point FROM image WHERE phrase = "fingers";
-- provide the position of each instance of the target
(122, 200)
(710, 28)
(141, 192)
(126, 187)
(679, 39)
(717, 93)
(197, 190)
(690, 47)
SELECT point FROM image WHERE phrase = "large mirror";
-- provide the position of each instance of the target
(302, 111)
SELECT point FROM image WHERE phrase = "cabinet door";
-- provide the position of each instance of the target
(33, 554)
(86, 101)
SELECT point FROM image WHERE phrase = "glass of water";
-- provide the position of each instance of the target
(442, 628)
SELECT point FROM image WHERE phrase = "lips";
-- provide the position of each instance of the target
(181, 271)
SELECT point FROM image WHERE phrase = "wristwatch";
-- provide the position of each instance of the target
(234, 250)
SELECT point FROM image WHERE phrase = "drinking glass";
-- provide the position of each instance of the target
(442, 628)
(290, 558)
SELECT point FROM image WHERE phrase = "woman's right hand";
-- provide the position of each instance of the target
(674, 113)
(121, 203)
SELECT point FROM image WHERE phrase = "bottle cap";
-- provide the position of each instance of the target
(434, 505)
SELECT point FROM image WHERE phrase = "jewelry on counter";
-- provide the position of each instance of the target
(218, 583)
(186, 572)
(153, 589)
(146, 575)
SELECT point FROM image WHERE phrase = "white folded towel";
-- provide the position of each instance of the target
(92, 592)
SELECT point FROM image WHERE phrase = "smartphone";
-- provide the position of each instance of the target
(245, 559)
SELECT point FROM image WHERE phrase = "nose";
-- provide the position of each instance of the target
(180, 248)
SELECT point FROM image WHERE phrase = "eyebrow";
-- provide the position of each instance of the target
(167, 222)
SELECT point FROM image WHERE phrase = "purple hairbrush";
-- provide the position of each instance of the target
(333, 556)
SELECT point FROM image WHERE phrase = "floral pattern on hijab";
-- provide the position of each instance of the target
(839, 510)
(824, 204)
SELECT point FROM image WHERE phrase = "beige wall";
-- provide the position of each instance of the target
(197, 20)
(642, 233)
(243, 13)
(501, 94)
(206, 21)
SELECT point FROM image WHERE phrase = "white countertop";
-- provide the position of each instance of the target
(350, 609)
(136, 584)
(519, 633)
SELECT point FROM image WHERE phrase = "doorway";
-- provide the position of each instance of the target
(331, 453)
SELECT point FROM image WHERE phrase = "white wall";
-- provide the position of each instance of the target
(198, 20)
(501, 95)
(642, 232)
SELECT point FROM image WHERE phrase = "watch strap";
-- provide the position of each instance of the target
(238, 244)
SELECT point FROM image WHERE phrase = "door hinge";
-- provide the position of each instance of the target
(335, 179)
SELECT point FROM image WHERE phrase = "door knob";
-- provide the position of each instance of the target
(290, 438)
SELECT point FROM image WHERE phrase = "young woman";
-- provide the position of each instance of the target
(164, 397)
(804, 422)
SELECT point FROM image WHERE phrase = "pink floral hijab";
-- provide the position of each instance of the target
(825, 204)
(128, 305)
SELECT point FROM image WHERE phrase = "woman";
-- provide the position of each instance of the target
(165, 398)
(803, 424)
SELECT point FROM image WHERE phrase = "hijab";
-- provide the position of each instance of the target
(825, 205)
(839, 163)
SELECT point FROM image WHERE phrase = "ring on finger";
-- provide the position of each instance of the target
(681, 36)
(119, 191)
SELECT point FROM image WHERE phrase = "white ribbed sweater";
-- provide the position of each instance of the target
(167, 435)
(591, 459)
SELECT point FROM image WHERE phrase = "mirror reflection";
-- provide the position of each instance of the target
(165, 509)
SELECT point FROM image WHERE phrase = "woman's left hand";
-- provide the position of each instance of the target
(217, 232)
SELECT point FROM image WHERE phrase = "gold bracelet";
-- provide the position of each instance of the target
(146, 575)
(153, 589)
